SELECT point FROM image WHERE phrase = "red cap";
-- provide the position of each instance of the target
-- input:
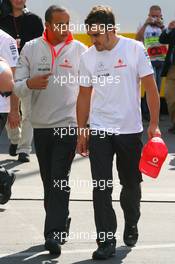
(153, 156)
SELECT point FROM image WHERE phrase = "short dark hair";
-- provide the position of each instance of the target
(51, 10)
(155, 7)
(100, 15)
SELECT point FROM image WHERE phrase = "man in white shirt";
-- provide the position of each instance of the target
(6, 177)
(7, 83)
(9, 104)
(6, 77)
(110, 74)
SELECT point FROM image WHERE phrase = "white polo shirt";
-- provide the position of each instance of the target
(115, 78)
(9, 52)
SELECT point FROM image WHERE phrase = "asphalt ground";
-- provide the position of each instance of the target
(22, 219)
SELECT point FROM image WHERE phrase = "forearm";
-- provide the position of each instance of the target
(153, 98)
(14, 103)
(22, 73)
(153, 101)
(140, 33)
(83, 109)
(21, 89)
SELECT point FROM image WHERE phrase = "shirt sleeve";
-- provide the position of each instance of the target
(10, 52)
(144, 66)
(3, 67)
(82, 48)
(22, 73)
(85, 77)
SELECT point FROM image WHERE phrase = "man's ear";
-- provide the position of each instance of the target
(47, 25)
(111, 33)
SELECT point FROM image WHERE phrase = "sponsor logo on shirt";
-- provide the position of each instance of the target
(15, 58)
(44, 69)
(44, 59)
(66, 64)
(13, 50)
(105, 75)
(44, 66)
(101, 67)
(120, 64)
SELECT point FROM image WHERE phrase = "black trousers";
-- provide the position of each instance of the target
(3, 120)
(55, 155)
(128, 151)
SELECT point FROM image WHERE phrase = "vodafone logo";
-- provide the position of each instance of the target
(155, 160)
(66, 64)
(120, 64)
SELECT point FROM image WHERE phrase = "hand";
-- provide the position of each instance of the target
(149, 20)
(171, 25)
(39, 82)
(153, 131)
(160, 23)
(14, 119)
(82, 145)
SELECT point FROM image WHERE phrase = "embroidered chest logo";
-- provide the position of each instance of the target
(66, 64)
(120, 64)
(44, 59)
(44, 65)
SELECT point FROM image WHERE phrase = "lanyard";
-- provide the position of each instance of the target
(52, 49)
(18, 29)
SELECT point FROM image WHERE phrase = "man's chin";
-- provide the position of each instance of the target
(64, 38)
(99, 48)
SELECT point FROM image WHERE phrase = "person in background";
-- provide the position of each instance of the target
(149, 34)
(6, 77)
(168, 37)
(6, 86)
(4, 8)
(9, 103)
(23, 26)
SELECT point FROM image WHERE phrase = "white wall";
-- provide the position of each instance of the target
(129, 13)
